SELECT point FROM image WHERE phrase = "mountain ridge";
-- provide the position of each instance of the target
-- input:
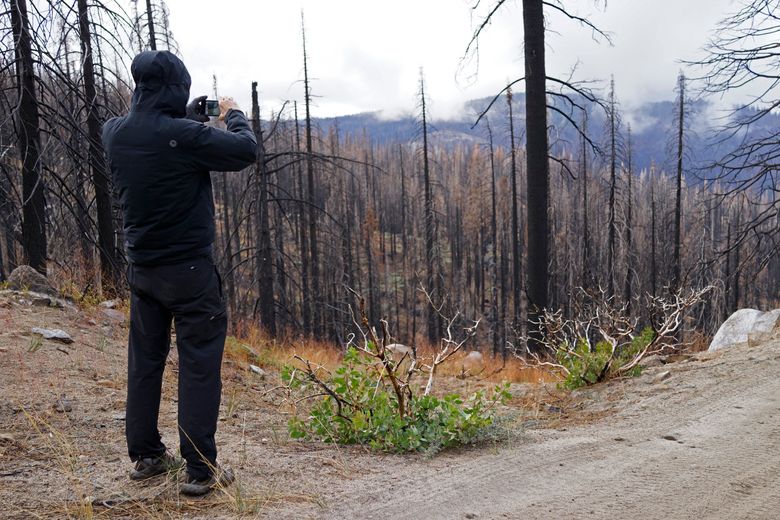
(653, 133)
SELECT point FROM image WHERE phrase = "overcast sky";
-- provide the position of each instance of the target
(365, 55)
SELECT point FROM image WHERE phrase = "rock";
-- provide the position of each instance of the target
(53, 334)
(114, 315)
(765, 328)
(399, 350)
(400, 354)
(735, 330)
(662, 376)
(109, 304)
(63, 405)
(474, 361)
(18, 297)
(652, 361)
(25, 278)
(257, 370)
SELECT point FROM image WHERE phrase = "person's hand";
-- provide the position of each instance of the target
(196, 110)
(226, 104)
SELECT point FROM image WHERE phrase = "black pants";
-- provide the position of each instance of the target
(190, 295)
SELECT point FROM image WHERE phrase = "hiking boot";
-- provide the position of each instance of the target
(195, 488)
(149, 467)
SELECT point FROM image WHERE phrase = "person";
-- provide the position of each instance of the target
(160, 155)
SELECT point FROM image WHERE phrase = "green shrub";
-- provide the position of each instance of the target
(365, 411)
(586, 367)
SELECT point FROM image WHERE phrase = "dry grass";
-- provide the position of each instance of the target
(257, 348)
(73, 464)
(698, 342)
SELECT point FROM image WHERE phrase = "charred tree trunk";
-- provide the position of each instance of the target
(727, 276)
(653, 255)
(406, 253)
(34, 203)
(302, 229)
(627, 287)
(494, 334)
(81, 211)
(428, 217)
(369, 226)
(737, 264)
(537, 170)
(676, 260)
(228, 254)
(312, 216)
(150, 25)
(517, 263)
(264, 254)
(586, 260)
(109, 262)
(612, 223)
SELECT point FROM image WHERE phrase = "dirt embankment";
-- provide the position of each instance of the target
(699, 442)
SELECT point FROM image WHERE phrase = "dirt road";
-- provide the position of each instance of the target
(700, 442)
(703, 444)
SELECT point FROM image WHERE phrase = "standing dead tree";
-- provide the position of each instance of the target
(743, 57)
(537, 143)
(629, 240)
(613, 122)
(314, 261)
(110, 266)
(680, 134)
(34, 203)
(517, 256)
(264, 260)
(431, 274)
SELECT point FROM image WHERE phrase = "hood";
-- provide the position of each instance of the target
(162, 83)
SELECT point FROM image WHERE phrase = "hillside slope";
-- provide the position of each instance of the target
(698, 442)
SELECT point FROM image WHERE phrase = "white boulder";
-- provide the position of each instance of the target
(744, 327)
(473, 362)
(765, 328)
(401, 355)
(399, 351)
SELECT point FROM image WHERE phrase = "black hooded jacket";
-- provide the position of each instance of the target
(160, 163)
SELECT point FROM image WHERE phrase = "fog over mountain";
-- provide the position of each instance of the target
(652, 128)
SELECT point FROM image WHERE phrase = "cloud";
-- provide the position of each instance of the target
(366, 56)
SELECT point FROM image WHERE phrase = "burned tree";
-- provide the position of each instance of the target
(34, 203)
(264, 254)
(429, 222)
(517, 257)
(314, 261)
(537, 141)
(110, 268)
(679, 152)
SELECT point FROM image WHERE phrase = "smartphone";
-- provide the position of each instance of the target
(212, 108)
